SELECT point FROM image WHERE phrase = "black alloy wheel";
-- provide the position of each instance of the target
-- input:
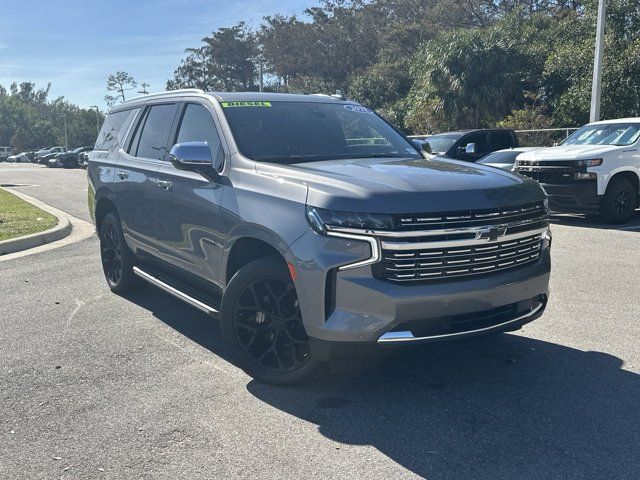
(268, 325)
(111, 251)
(262, 324)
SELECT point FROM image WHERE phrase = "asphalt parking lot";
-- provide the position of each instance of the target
(93, 385)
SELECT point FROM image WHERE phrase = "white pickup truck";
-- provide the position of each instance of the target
(597, 169)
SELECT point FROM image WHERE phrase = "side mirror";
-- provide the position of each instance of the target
(470, 149)
(195, 157)
(426, 147)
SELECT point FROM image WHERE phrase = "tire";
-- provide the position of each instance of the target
(619, 202)
(117, 259)
(262, 325)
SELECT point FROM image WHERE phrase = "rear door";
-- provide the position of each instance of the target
(187, 231)
(137, 175)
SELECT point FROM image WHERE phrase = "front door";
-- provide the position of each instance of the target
(481, 142)
(187, 230)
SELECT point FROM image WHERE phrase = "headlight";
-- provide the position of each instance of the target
(589, 163)
(322, 220)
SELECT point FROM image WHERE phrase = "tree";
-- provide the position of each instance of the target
(224, 62)
(30, 120)
(118, 83)
(466, 79)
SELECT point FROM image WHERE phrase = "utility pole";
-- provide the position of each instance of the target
(97, 119)
(66, 138)
(596, 85)
(261, 74)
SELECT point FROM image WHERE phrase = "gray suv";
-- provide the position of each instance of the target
(311, 227)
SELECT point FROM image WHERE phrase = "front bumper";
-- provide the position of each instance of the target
(578, 196)
(347, 308)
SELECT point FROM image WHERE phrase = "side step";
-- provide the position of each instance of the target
(179, 291)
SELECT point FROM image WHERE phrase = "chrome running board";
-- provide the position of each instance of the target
(407, 336)
(179, 294)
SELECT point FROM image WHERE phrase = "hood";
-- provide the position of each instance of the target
(406, 185)
(569, 152)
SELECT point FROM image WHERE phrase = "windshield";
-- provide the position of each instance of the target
(501, 157)
(605, 134)
(442, 143)
(293, 132)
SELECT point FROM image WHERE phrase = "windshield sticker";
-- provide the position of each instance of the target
(245, 104)
(357, 108)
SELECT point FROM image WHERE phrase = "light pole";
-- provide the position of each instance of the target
(66, 137)
(97, 119)
(258, 58)
(596, 85)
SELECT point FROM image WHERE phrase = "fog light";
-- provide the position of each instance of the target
(586, 176)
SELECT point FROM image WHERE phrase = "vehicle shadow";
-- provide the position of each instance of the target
(498, 407)
(593, 221)
(193, 324)
(503, 406)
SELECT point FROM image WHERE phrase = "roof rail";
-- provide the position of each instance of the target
(165, 93)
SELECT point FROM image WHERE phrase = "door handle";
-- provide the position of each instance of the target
(164, 184)
(122, 175)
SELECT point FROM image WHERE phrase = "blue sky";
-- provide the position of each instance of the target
(76, 44)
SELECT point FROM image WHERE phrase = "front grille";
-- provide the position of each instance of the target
(549, 177)
(421, 265)
(468, 218)
(547, 171)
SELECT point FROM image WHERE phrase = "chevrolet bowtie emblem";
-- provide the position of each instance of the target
(491, 234)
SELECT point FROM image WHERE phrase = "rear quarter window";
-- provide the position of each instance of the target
(112, 131)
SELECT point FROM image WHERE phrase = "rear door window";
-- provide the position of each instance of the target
(152, 136)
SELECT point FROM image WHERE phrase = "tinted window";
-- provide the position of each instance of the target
(197, 126)
(155, 132)
(479, 138)
(112, 130)
(311, 131)
(501, 140)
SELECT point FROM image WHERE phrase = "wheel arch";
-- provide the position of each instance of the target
(631, 176)
(104, 204)
(247, 249)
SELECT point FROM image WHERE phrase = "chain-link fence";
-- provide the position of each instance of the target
(543, 137)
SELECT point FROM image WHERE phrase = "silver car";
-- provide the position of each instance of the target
(311, 228)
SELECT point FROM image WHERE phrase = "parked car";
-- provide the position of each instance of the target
(83, 158)
(504, 159)
(19, 158)
(44, 158)
(597, 169)
(469, 145)
(5, 152)
(68, 159)
(45, 155)
(31, 155)
(255, 208)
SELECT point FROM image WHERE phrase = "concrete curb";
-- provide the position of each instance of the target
(61, 230)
